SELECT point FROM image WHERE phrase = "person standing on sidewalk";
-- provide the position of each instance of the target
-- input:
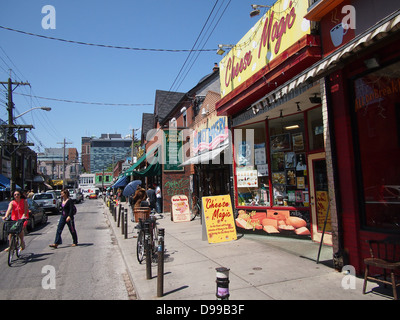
(151, 195)
(158, 198)
(67, 217)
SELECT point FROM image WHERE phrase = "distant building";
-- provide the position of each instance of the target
(51, 163)
(107, 150)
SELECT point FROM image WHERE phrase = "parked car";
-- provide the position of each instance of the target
(36, 216)
(79, 197)
(57, 194)
(75, 196)
(48, 201)
(93, 196)
(3, 210)
(72, 195)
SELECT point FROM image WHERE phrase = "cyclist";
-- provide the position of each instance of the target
(18, 208)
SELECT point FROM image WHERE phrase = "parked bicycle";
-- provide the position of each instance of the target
(14, 228)
(153, 238)
(196, 207)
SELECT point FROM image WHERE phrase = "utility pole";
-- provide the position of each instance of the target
(64, 143)
(11, 142)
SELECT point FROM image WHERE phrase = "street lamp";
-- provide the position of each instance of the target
(256, 11)
(221, 47)
(43, 108)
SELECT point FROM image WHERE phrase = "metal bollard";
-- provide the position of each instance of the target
(160, 267)
(115, 213)
(119, 215)
(222, 283)
(147, 249)
(126, 224)
(122, 221)
(111, 207)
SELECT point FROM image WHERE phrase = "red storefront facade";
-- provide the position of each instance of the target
(353, 76)
(364, 107)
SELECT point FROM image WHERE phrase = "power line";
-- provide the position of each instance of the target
(87, 102)
(104, 45)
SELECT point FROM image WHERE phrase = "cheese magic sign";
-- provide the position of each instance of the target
(276, 31)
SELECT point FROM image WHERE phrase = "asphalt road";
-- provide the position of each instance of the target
(94, 270)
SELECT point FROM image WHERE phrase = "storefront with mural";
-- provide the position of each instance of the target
(210, 153)
(280, 178)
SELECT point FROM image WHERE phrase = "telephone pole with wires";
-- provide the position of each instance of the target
(64, 143)
(10, 140)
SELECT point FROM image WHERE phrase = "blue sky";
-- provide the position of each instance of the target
(75, 72)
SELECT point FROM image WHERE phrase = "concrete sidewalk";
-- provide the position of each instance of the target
(261, 267)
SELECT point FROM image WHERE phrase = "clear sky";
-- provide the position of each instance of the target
(69, 71)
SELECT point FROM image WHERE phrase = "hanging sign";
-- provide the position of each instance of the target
(220, 223)
(210, 134)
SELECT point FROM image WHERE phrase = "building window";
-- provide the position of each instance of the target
(251, 167)
(377, 114)
(288, 161)
(315, 129)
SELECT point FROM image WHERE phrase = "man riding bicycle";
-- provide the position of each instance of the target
(18, 208)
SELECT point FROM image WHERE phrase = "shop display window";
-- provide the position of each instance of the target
(315, 129)
(288, 161)
(251, 165)
(377, 113)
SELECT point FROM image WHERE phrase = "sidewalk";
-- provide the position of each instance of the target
(261, 268)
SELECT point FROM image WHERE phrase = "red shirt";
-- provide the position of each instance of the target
(18, 210)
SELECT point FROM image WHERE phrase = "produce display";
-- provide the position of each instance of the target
(272, 222)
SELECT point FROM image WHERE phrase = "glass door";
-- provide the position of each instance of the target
(319, 198)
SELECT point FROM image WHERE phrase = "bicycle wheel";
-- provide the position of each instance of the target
(140, 246)
(154, 246)
(17, 246)
(11, 250)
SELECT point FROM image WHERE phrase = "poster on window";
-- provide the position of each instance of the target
(259, 154)
(247, 178)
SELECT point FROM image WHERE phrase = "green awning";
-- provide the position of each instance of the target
(131, 171)
(151, 171)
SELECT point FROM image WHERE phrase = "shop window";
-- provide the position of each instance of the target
(315, 129)
(377, 113)
(251, 167)
(288, 161)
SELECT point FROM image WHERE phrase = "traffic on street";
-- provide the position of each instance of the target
(93, 270)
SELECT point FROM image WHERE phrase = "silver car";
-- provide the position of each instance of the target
(48, 201)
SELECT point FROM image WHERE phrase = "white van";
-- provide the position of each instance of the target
(87, 191)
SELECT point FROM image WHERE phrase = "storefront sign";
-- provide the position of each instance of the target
(180, 208)
(173, 148)
(322, 207)
(210, 133)
(219, 219)
(275, 32)
(374, 90)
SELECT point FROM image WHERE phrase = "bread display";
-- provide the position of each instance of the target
(272, 222)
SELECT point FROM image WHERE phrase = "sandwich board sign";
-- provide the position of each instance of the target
(218, 215)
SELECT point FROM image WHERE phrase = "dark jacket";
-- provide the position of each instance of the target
(151, 194)
(68, 209)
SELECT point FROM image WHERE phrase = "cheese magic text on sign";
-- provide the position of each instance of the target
(275, 32)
